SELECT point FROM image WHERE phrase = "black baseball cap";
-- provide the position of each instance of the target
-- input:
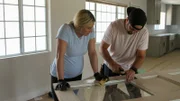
(136, 16)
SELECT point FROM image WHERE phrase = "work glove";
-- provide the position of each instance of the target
(62, 85)
(100, 77)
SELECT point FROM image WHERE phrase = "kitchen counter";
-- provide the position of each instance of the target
(153, 86)
(171, 36)
(160, 44)
(164, 34)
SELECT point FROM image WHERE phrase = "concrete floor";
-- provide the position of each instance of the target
(42, 98)
(167, 62)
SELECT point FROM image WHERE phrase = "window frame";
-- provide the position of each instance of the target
(21, 36)
(95, 14)
(162, 24)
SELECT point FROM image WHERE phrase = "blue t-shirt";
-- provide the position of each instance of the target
(76, 48)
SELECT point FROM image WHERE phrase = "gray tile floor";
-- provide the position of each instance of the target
(166, 62)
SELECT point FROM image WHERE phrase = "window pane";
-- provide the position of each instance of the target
(99, 36)
(11, 1)
(12, 29)
(108, 8)
(13, 46)
(1, 1)
(2, 45)
(104, 15)
(28, 2)
(28, 13)
(120, 16)
(1, 13)
(41, 43)
(87, 5)
(98, 7)
(120, 9)
(108, 16)
(40, 14)
(162, 20)
(29, 44)
(161, 26)
(40, 2)
(103, 7)
(98, 27)
(113, 9)
(113, 17)
(92, 6)
(40, 28)
(1, 30)
(29, 29)
(104, 27)
(11, 13)
(98, 16)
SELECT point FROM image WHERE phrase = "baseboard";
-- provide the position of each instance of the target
(30, 95)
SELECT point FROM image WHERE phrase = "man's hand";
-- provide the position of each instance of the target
(62, 85)
(116, 68)
(130, 75)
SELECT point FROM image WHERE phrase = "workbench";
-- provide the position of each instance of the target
(153, 86)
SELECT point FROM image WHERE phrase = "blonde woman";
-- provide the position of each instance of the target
(73, 41)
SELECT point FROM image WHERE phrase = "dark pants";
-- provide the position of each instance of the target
(133, 91)
(55, 80)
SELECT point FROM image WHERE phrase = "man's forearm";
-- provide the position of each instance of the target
(105, 54)
(138, 62)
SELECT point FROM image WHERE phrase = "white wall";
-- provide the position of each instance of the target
(25, 77)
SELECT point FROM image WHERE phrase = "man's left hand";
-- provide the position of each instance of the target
(130, 75)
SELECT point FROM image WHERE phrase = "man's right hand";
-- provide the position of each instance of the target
(62, 85)
(116, 68)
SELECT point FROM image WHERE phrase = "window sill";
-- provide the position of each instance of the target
(22, 55)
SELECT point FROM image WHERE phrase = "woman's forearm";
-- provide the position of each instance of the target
(94, 61)
(60, 67)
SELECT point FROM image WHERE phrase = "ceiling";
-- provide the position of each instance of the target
(176, 2)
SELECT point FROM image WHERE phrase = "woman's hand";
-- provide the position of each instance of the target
(62, 85)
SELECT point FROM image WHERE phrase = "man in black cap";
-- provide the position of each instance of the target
(124, 46)
(137, 19)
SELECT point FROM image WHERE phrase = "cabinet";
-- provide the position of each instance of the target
(157, 46)
(153, 11)
(177, 41)
(175, 14)
(172, 42)
(171, 45)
